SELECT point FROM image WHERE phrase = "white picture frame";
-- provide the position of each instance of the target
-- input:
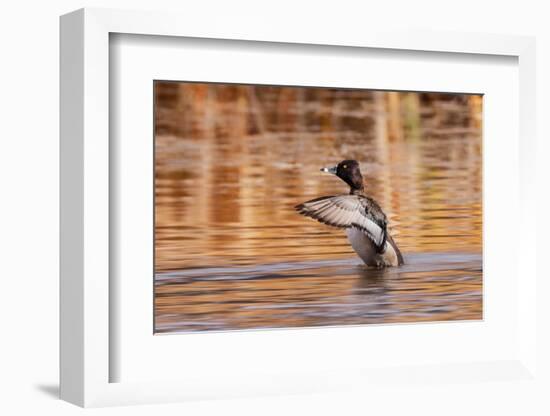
(86, 291)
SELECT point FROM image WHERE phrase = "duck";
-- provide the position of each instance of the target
(365, 223)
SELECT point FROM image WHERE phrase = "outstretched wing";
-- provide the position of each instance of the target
(347, 211)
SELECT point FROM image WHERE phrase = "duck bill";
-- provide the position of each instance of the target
(329, 170)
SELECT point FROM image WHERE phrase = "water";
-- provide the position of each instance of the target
(231, 163)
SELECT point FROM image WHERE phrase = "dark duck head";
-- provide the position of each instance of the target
(349, 172)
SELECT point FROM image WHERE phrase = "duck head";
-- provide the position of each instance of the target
(349, 172)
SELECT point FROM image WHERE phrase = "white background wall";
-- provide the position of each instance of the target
(29, 184)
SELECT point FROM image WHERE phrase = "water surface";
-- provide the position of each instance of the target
(231, 163)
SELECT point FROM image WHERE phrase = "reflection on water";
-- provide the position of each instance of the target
(232, 161)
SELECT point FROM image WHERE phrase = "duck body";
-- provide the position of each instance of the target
(366, 250)
(361, 216)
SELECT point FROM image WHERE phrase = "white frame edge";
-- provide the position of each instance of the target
(71, 208)
(84, 175)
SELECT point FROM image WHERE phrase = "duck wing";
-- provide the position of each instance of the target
(349, 211)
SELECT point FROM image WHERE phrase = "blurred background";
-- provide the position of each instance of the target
(231, 161)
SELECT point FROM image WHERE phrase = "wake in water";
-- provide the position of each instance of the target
(418, 262)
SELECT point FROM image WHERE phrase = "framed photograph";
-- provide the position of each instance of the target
(268, 214)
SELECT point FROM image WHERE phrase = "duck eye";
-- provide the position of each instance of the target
(345, 166)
